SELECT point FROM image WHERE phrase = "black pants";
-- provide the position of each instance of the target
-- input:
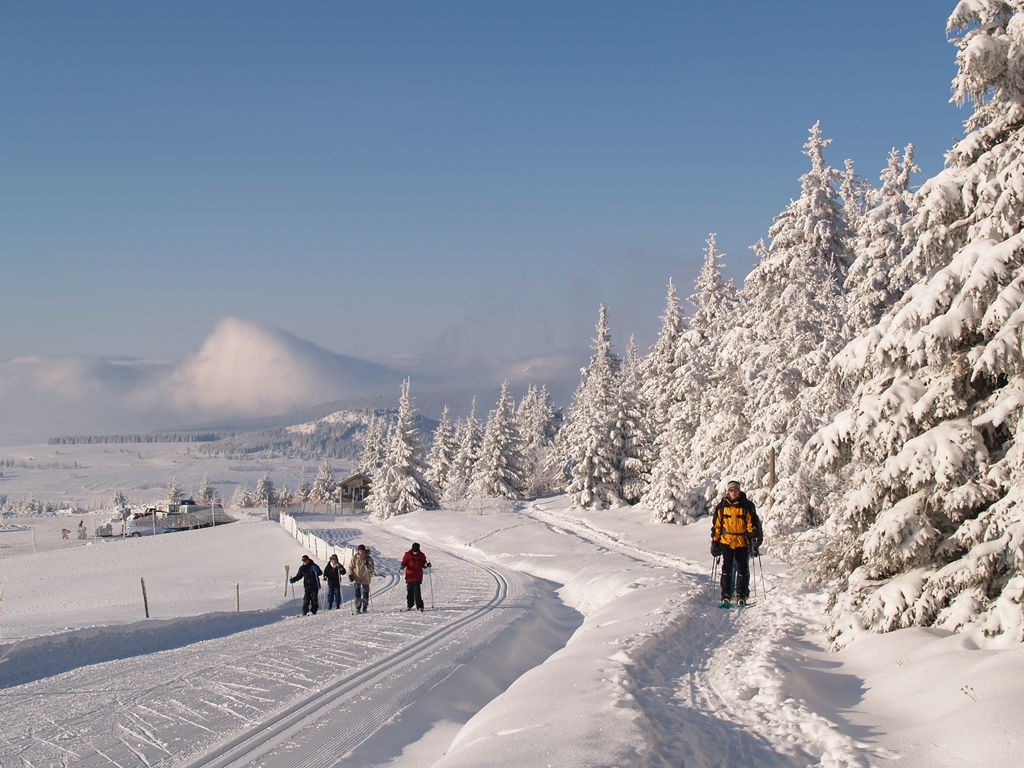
(362, 597)
(310, 601)
(413, 594)
(739, 557)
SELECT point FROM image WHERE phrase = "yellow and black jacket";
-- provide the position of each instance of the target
(735, 523)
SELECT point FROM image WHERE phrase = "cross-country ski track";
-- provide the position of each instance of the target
(305, 691)
(324, 727)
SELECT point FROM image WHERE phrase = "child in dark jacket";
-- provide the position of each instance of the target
(333, 573)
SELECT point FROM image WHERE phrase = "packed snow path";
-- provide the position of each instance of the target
(303, 691)
(711, 682)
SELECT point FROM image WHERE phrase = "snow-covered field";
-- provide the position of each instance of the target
(89, 475)
(552, 637)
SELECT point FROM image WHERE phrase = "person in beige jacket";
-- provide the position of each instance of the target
(360, 571)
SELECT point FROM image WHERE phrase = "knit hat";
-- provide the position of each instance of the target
(415, 547)
(361, 547)
(734, 485)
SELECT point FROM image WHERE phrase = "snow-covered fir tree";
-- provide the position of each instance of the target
(285, 496)
(536, 417)
(593, 445)
(698, 389)
(855, 193)
(243, 498)
(635, 427)
(374, 445)
(265, 492)
(400, 486)
(120, 500)
(207, 493)
(324, 485)
(794, 323)
(174, 491)
(500, 466)
(468, 436)
(659, 367)
(881, 244)
(304, 488)
(442, 454)
(930, 528)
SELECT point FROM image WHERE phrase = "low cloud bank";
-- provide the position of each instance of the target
(242, 370)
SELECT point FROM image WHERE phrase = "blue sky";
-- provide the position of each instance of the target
(450, 178)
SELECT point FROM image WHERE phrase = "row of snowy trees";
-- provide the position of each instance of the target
(324, 489)
(876, 350)
(508, 457)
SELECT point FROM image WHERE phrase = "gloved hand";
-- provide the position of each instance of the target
(351, 579)
(716, 549)
(755, 548)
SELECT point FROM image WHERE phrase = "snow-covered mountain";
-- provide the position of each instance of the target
(246, 375)
(244, 368)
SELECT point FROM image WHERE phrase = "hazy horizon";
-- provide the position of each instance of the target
(243, 371)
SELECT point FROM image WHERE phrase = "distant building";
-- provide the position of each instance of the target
(354, 490)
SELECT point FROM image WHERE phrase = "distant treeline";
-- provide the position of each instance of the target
(152, 437)
(335, 441)
(34, 506)
(327, 440)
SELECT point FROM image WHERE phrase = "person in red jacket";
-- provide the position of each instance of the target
(414, 562)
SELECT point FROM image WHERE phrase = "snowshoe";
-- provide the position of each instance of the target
(725, 604)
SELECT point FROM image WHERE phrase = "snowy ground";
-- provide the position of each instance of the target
(88, 475)
(556, 638)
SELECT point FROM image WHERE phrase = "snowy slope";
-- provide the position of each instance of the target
(648, 672)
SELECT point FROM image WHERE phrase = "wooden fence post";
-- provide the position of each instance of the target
(286, 581)
(238, 598)
(145, 599)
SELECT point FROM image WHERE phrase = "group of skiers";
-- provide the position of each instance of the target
(736, 536)
(360, 572)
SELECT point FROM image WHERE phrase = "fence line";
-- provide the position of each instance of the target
(319, 547)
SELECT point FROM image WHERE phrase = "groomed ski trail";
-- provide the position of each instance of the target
(321, 729)
(277, 693)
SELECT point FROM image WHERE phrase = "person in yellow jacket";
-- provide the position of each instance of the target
(735, 535)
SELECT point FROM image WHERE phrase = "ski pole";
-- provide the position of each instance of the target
(286, 583)
(764, 589)
(714, 571)
(430, 572)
